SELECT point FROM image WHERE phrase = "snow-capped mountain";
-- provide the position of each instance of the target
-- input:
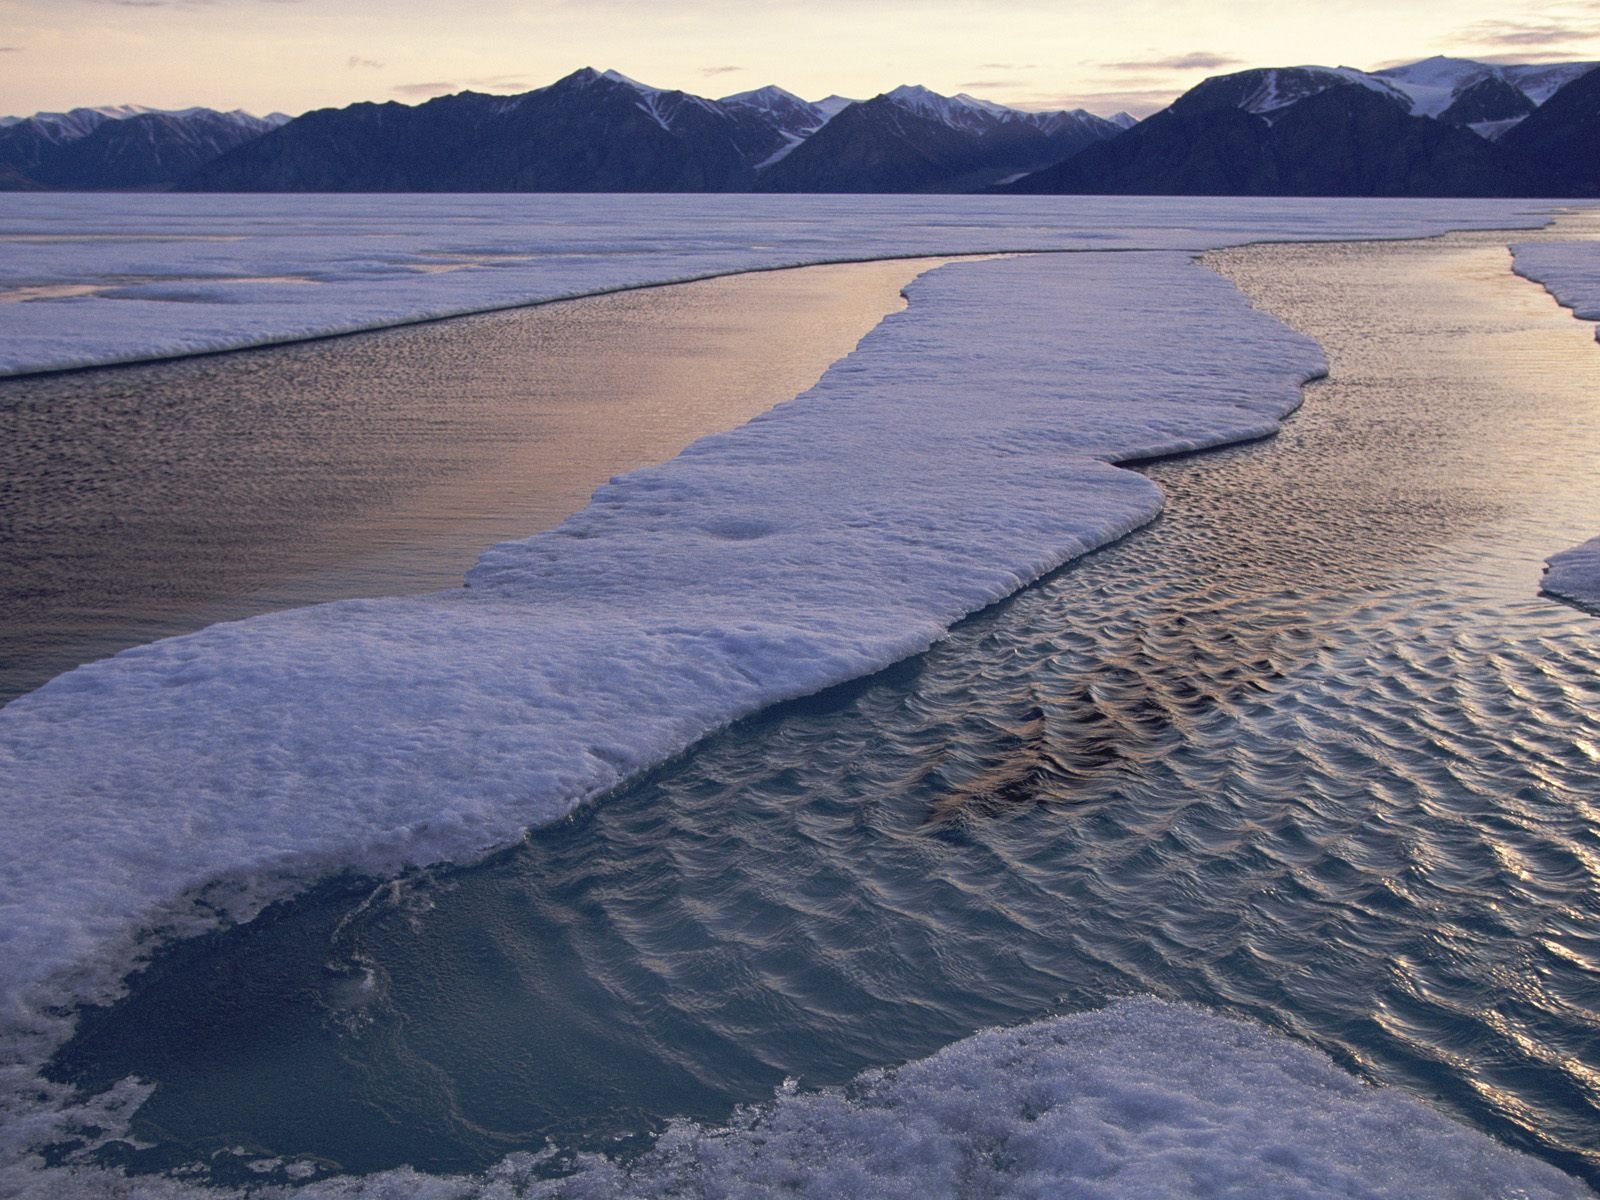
(1434, 83)
(603, 131)
(783, 110)
(1265, 91)
(80, 122)
(795, 119)
(911, 139)
(120, 146)
(1488, 98)
(960, 111)
(1419, 130)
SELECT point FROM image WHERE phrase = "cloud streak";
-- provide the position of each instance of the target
(357, 62)
(1528, 33)
(423, 89)
(1195, 60)
(719, 70)
(1140, 102)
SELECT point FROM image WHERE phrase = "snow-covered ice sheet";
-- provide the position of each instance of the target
(1141, 1099)
(961, 452)
(1575, 575)
(1138, 1100)
(138, 277)
(955, 456)
(1569, 271)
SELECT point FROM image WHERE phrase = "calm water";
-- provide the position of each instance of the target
(141, 502)
(1309, 748)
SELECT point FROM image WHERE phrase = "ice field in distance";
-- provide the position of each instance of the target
(963, 450)
(88, 278)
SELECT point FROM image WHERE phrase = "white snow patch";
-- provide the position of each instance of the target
(832, 106)
(1141, 1099)
(1575, 574)
(1491, 131)
(1569, 271)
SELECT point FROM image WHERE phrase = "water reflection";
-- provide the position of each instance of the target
(1308, 748)
(138, 502)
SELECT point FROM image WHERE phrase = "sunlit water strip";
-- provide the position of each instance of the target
(1309, 748)
(147, 501)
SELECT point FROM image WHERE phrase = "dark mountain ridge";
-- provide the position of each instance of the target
(1439, 127)
(119, 149)
(1323, 132)
(598, 131)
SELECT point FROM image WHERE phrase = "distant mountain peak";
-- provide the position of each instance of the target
(619, 77)
(832, 106)
(763, 97)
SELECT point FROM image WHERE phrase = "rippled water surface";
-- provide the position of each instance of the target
(1309, 748)
(140, 502)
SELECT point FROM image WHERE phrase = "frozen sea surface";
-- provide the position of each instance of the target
(102, 279)
(929, 474)
(963, 451)
(1307, 749)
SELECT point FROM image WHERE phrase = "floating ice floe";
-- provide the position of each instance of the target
(1575, 574)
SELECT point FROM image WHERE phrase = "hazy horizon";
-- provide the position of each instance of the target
(295, 55)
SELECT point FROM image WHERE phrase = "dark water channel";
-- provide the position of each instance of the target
(1310, 748)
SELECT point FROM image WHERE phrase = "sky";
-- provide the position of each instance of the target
(294, 55)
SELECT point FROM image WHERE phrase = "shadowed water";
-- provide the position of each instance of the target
(1309, 748)
(145, 501)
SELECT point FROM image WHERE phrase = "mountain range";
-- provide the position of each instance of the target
(122, 147)
(1439, 127)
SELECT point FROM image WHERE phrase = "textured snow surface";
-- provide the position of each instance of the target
(1569, 271)
(962, 451)
(1140, 1100)
(1575, 574)
(175, 275)
(952, 459)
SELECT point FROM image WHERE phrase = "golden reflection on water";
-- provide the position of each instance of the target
(1503, 477)
(1494, 477)
(139, 502)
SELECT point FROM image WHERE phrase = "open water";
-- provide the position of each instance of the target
(140, 502)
